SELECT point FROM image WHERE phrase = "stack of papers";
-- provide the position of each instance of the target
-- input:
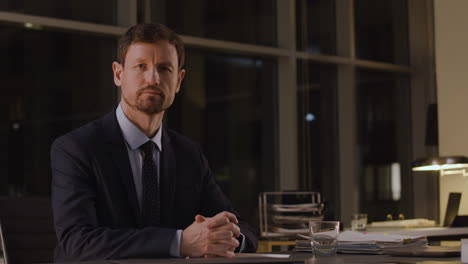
(369, 242)
(375, 242)
(408, 223)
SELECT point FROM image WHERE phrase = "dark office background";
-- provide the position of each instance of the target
(57, 78)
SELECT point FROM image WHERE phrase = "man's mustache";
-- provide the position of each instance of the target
(152, 87)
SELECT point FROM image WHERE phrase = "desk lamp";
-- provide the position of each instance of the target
(448, 165)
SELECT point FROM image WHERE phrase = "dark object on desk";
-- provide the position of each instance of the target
(429, 251)
(452, 208)
(460, 221)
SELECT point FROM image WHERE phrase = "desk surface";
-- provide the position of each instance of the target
(300, 258)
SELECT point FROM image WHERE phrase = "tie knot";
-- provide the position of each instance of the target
(148, 147)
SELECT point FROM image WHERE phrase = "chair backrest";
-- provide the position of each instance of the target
(28, 230)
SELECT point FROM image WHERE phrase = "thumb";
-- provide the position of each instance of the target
(199, 218)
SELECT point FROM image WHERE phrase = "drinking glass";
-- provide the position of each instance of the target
(323, 237)
(359, 222)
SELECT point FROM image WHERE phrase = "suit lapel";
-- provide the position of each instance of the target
(168, 178)
(118, 152)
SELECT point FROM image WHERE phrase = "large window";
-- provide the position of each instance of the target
(384, 144)
(382, 30)
(356, 104)
(247, 21)
(52, 82)
(317, 120)
(101, 12)
(227, 104)
(316, 30)
(282, 95)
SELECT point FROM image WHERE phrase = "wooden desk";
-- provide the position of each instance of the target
(299, 258)
(265, 246)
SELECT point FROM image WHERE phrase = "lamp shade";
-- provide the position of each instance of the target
(440, 163)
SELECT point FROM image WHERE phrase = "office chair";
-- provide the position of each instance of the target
(28, 232)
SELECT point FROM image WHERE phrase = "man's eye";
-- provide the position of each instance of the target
(164, 69)
(140, 66)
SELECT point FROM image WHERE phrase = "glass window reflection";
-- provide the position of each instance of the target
(101, 12)
(53, 82)
(382, 30)
(317, 120)
(227, 103)
(249, 21)
(384, 134)
(315, 20)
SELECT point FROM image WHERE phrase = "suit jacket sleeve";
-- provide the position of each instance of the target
(215, 201)
(74, 195)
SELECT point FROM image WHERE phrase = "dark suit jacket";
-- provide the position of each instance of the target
(94, 201)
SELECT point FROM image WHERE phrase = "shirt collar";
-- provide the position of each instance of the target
(132, 134)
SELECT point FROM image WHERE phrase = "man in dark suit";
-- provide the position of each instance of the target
(126, 186)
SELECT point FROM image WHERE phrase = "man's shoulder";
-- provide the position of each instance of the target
(88, 134)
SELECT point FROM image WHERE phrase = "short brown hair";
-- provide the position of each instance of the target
(150, 33)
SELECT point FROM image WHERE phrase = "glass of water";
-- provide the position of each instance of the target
(359, 222)
(323, 237)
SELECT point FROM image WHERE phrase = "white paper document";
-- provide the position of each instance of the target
(376, 237)
(257, 255)
(418, 222)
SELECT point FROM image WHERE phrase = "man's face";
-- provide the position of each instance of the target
(150, 78)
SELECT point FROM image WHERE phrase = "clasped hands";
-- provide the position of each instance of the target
(211, 236)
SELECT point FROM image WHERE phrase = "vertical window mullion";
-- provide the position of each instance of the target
(126, 12)
(423, 92)
(348, 181)
(287, 103)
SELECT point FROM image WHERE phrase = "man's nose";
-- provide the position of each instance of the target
(152, 77)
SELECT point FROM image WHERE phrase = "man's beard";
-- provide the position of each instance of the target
(150, 105)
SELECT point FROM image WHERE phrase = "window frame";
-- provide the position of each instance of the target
(422, 85)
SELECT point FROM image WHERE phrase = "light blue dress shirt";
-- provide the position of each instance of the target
(134, 138)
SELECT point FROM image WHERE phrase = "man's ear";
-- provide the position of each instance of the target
(179, 79)
(117, 68)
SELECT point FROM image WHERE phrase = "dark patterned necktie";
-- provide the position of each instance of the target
(151, 204)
